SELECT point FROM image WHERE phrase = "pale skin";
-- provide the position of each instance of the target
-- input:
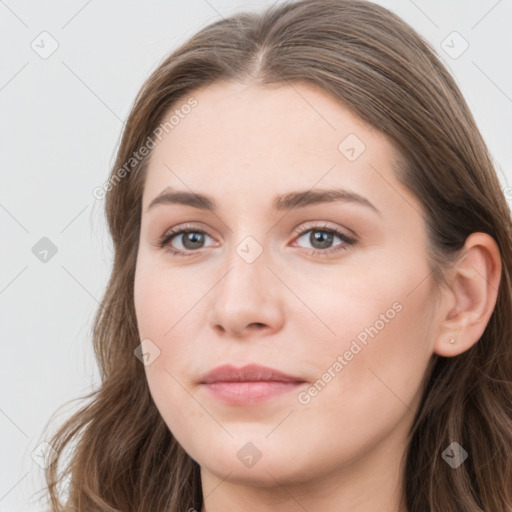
(291, 309)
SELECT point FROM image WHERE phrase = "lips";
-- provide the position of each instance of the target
(248, 373)
(249, 385)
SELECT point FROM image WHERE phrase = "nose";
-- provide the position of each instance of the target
(247, 301)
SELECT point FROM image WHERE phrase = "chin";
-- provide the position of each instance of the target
(265, 473)
(259, 461)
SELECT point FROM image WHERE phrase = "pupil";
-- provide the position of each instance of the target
(193, 240)
(323, 237)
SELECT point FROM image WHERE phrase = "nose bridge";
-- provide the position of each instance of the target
(248, 252)
(245, 274)
(242, 296)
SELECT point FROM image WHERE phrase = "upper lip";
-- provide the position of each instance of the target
(248, 373)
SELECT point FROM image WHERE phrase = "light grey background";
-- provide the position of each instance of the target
(62, 117)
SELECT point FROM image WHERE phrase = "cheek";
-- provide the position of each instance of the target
(166, 304)
(161, 306)
(163, 299)
(383, 343)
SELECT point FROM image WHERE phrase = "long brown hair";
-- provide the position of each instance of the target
(122, 456)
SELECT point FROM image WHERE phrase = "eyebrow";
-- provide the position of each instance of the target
(299, 199)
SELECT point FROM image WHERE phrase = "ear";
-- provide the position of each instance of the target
(469, 300)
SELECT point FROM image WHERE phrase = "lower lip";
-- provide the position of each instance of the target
(246, 393)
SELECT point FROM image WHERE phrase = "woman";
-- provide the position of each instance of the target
(369, 369)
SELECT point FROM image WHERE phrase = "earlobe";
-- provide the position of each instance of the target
(473, 291)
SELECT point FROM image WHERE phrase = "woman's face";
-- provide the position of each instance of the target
(264, 279)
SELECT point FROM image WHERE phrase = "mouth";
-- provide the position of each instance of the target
(250, 384)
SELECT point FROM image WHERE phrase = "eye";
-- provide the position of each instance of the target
(190, 237)
(322, 237)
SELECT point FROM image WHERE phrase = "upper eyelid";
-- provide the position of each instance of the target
(318, 225)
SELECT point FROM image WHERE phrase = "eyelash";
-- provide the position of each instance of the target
(164, 241)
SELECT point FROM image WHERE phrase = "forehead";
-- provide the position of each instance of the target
(278, 115)
(246, 139)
